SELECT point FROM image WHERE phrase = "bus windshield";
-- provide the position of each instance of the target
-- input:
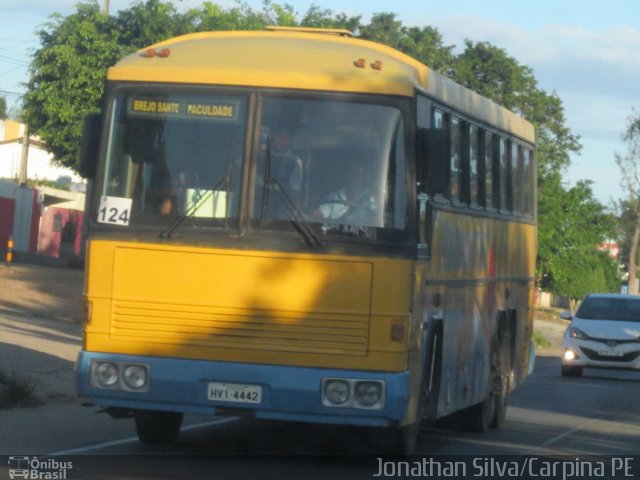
(174, 154)
(336, 166)
(340, 164)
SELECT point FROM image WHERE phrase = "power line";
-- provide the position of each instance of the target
(11, 93)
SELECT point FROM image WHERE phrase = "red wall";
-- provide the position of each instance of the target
(49, 239)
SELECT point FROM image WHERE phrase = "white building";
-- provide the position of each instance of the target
(40, 164)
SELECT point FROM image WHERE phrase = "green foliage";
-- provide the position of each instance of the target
(3, 108)
(629, 205)
(68, 77)
(424, 44)
(489, 71)
(569, 262)
(540, 341)
(16, 392)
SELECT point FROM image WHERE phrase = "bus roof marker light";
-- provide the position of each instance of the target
(151, 52)
(360, 63)
(377, 65)
(164, 53)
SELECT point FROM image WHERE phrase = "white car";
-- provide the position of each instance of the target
(604, 333)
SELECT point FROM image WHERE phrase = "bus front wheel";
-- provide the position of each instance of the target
(159, 428)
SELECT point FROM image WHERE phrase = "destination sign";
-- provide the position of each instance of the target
(224, 109)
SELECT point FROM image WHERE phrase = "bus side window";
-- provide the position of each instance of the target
(474, 170)
(492, 185)
(505, 186)
(456, 184)
(527, 179)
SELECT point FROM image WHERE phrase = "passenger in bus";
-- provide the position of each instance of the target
(351, 207)
(286, 166)
(160, 194)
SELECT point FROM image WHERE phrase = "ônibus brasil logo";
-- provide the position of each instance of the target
(35, 469)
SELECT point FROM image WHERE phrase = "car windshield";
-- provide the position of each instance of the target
(603, 308)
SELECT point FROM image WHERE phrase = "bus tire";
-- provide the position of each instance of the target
(492, 410)
(506, 339)
(157, 428)
(481, 415)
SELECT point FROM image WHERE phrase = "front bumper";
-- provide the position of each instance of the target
(288, 393)
(593, 354)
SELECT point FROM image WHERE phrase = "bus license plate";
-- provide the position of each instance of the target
(611, 353)
(234, 392)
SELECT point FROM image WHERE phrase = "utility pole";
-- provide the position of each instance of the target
(22, 177)
(24, 157)
(105, 7)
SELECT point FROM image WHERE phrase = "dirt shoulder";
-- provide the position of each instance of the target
(42, 292)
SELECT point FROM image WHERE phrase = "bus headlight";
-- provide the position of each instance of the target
(353, 393)
(368, 393)
(337, 391)
(105, 374)
(135, 377)
(129, 377)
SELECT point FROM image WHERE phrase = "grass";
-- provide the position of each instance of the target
(540, 340)
(16, 392)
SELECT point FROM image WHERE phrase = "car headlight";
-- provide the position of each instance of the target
(106, 374)
(577, 333)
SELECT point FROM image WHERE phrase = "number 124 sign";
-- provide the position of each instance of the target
(114, 210)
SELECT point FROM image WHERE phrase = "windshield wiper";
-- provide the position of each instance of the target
(191, 211)
(298, 220)
(179, 220)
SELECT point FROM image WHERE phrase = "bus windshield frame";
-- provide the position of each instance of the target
(220, 162)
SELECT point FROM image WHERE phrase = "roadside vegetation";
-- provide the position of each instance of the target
(16, 392)
(540, 341)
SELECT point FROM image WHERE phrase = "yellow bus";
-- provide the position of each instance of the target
(296, 224)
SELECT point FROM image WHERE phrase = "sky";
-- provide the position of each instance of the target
(585, 51)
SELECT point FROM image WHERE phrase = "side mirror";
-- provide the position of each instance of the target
(566, 315)
(89, 148)
(433, 161)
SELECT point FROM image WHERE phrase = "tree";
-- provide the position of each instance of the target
(629, 165)
(569, 261)
(489, 71)
(68, 77)
(424, 44)
(3, 108)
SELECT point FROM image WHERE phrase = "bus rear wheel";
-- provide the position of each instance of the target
(491, 412)
(157, 428)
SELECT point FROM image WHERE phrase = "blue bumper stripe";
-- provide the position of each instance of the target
(288, 393)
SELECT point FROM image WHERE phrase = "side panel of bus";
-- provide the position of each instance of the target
(478, 278)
